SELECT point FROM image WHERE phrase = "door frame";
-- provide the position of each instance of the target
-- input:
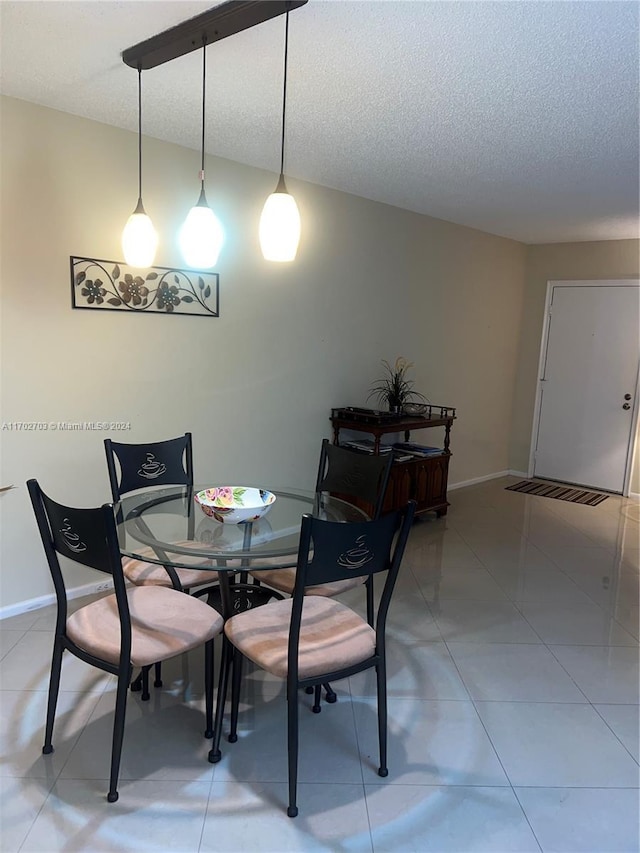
(618, 282)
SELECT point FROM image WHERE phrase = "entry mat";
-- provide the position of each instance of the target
(560, 493)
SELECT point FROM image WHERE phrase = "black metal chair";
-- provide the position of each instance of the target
(310, 639)
(352, 476)
(136, 466)
(161, 463)
(135, 626)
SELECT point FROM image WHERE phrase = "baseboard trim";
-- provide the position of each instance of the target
(46, 600)
(509, 473)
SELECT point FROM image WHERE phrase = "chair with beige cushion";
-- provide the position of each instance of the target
(133, 627)
(133, 467)
(141, 466)
(351, 476)
(309, 639)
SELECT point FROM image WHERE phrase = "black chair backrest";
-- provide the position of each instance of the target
(356, 475)
(160, 463)
(86, 536)
(332, 550)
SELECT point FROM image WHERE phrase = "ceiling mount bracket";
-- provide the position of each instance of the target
(215, 24)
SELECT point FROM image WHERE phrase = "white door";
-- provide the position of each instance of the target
(588, 381)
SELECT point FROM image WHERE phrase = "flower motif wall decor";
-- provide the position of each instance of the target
(113, 286)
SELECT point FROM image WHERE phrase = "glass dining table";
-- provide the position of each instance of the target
(166, 526)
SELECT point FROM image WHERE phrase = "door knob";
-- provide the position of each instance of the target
(626, 406)
(627, 396)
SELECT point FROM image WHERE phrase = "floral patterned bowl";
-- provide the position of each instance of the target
(235, 504)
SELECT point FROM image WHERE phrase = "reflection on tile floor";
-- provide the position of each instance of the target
(513, 713)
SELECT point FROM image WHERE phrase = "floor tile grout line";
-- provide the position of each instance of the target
(42, 805)
(593, 705)
(360, 758)
(481, 721)
(206, 809)
(504, 770)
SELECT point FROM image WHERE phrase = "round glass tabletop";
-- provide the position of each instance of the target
(166, 526)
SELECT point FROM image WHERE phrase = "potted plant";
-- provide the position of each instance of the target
(394, 389)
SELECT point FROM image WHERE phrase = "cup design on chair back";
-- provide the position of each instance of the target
(72, 540)
(151, 468)
(356, 557)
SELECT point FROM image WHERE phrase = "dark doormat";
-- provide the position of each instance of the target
(560, 493)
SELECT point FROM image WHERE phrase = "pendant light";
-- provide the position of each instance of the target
(139, 237)
(201, 236)
(280, 220)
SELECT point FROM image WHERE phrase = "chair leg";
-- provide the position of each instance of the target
(208, 687)
(292, 742)
(118, 734)
(381, 676)
(141, 681)
(317, 707)
(145, 684)
(370, 608)
(329, 695)
(54, 687)
(214, 753)
(235, 695)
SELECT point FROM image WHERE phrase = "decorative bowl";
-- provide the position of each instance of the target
(415, 408)
(235, 504)
(229, 537)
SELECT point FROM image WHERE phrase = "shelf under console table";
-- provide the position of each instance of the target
(422, 478)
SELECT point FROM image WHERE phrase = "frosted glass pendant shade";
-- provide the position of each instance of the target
(139, 239)
(279, 230)
(201, 236)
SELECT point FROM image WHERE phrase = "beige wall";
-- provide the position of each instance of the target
(569, 261)
(256, 385)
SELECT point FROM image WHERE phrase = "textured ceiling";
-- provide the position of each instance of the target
(517, 118)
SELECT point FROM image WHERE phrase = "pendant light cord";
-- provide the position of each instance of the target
(204, 89)
(139, 134)
(284, 93)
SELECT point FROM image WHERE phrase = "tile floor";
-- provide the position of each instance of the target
(513, 684)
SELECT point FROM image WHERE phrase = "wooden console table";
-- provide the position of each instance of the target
(422, 478)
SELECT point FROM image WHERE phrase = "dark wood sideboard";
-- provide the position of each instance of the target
(421, 478)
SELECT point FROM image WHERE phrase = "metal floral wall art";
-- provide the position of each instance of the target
(112, 286)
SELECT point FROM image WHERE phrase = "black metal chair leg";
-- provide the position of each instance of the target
(370, 608)
(329, 695)
(145, 684)
(381, 677)
(118, 734)
(317, 707)
(208, 688)
(138, 683)
(292, 741)
(214, 753)
(236, 681)
(54, 687)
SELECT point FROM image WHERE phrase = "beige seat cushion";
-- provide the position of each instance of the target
(284, 580)
(164, 623)
(332, 636)
(142, 573)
